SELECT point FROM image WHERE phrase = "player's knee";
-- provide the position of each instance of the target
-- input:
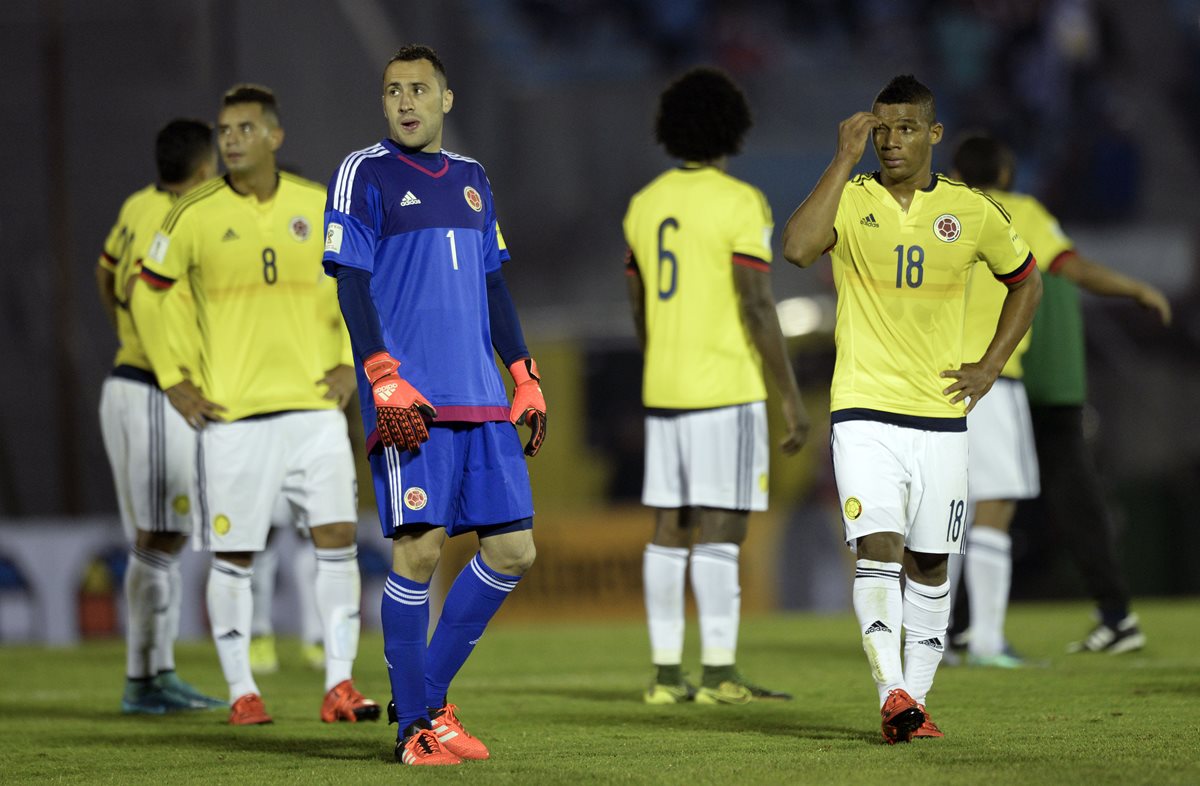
(510, 556)
(334, 536)
(166, 542)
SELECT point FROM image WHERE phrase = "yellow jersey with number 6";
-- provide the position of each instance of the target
(901, 278)
(262, 306)
(686, 230)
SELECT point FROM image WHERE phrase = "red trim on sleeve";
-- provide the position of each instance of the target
(155, 280)
(831, 245)
(1058, 260)
(754, 263)
(631, 265)
(107, 260)
(1020, 273)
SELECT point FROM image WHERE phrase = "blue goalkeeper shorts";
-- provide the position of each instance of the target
(468, 476)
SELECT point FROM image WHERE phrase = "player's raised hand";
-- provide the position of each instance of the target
(191, 403)
(341, 383)
(852, 135)
(972, 380)
(795, 417)
(528, 407)
(400, 411)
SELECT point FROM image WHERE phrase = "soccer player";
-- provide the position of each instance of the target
(699, 283)
(149, 445)
(264, 402)
(1055, 376)
(413, 240)
(903, 241)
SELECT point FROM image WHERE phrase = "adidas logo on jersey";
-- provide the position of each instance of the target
(384, 392)
(409, 199)
(869, 221)
(877, 627)
(229, 235)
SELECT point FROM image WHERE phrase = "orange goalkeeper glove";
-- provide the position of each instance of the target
(528, 407)
(400, 411)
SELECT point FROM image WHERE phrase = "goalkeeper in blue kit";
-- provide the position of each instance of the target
(412, 238)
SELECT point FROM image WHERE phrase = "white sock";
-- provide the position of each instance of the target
(304, 566)
(168, 634)
(663, 571)
(880, 611)
(229, 612)
(718, 601)
(339, 599)
(989, 576)
(262, 588)
(926, 617)
(147, 593)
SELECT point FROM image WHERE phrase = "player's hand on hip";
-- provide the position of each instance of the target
(341, 383)
(192, 405)
(529, 406)
(853, 133)
(795, 417)
(972, 381)
(401, 413)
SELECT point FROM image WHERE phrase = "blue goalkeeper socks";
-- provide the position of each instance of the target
(405, 617)
(471, 603)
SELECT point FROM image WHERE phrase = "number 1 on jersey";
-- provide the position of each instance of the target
(453, 249)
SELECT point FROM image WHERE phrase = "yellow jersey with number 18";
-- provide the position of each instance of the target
(256, 279)
(901, 278)
(985, 296)
(685, 231)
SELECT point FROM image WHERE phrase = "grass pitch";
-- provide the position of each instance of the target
(561, 704)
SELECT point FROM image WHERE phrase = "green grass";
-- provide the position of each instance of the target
(561, 704)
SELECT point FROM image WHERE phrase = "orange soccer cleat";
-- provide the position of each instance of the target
(248, 710)
(344, 703)
(928, 728)
(902, 716)
(454, 737)
(420, 746)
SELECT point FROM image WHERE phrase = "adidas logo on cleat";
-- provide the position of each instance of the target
(877, 627)
(869, 221)
(409, 199)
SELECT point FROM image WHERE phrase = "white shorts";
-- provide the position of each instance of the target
(244, 467)
(904, 480)
(713, 458)
(151, 450)
(1004, 463)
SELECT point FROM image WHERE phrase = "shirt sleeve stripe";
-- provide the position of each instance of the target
(155, 280)
(1020, 273)
(754, 263)
(1061, 258)
(343, 191)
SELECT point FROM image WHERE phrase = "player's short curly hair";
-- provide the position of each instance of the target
(414, 52)
(981, 160)
(249, 93)
(702, 115)
(181, 147)
(906, 89)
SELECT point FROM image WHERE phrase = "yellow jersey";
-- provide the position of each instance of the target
(685, 231)
(139, 218)
(985, 295)
(263, 310)
(901, 279)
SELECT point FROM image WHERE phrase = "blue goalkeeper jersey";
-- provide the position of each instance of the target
(424, 225)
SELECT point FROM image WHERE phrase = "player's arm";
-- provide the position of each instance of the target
(974, 380)
(809, 230)
(106, 278)
(528, 406)
(1102, 280)
(637, 297)
(339, 378)
(762, 323)
(401, 411)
